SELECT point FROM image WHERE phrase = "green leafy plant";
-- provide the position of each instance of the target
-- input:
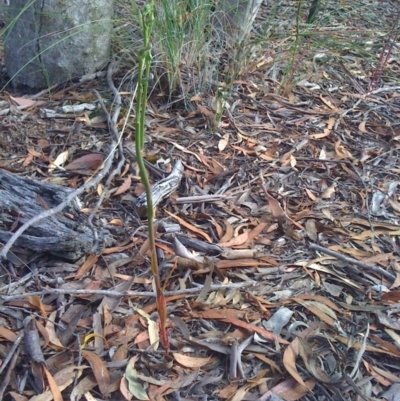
(145, 59)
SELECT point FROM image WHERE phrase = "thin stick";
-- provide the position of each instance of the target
(201, 198)
(119, 294)
(374, 269)
(117, 138)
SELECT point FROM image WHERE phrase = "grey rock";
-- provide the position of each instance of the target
(54, 41)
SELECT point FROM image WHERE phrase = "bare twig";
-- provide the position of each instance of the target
(234, 360)
(117, 139)
(375, 269)
(386, 89)
(240, 350)
(119, 294)
(201, 198)
(16, 284)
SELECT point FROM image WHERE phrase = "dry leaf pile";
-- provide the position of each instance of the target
(279, 250)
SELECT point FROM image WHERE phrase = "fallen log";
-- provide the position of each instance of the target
(65, 234)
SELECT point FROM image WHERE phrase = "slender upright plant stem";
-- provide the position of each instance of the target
(143, 77)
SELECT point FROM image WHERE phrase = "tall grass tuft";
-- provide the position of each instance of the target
(192, 51)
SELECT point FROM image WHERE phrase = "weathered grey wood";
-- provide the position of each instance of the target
(23, 198)
(53, 41)
(162, 189)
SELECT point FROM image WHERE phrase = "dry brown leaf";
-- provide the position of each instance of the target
(124, 186)
(239, 240)
(191, 227)
(289, 361)
(57, 396)
(311, 195)
(311, 230)
(50, 328)
(216, 167)
(289, 390)
(253, 328)
(383, 373)
(328, 192)
(7, 334)
(254, 382)
(396, 282)
(17, 396)
(28, 160)
(116, 222)
(390, 348)
(124, 388)
(45, 334)
(225, 314)
(240, 393)
(355, 253)
(362, 127)
(60, 160)
(321, 268)
(191, 362)
(275, 206)
(21, 101)
(196, 98)
(270, 362)
(91, 161)
(86, 384)
(229, 390)
(228, 232)
(143, 336)
(121, 353)
(100, 370)
(223, 142)
(331, 106)
(63, 378)
(382, 380)
(203, 110)
(256, 231)
(34, 153)
(237, 263)
(218, 227)
(36, 301)
(117, 249)
(320, 299)
(245, 151)
(368, 234)
(90, 261)
(320, 311)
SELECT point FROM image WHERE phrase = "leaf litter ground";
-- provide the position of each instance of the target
(279, 249)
